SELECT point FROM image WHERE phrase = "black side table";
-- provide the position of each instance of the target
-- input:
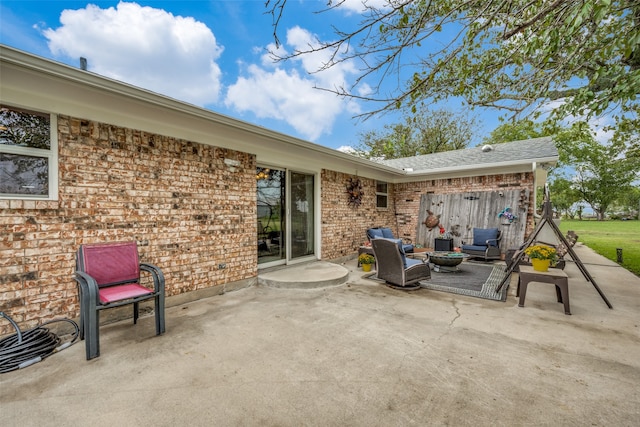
(443, 245)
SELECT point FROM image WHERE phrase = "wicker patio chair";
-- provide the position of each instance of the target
(396, 269)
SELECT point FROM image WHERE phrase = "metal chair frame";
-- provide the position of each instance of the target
(108, 276)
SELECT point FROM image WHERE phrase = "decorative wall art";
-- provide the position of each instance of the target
(354, 191)
(508, 215)
(432, 220)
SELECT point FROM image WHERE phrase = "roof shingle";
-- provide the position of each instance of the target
(529, 150)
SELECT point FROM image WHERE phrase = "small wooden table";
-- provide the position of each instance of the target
(554, 276)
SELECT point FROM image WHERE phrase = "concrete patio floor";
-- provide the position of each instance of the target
(358, 354)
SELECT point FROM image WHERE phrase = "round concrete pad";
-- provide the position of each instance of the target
(318, 274)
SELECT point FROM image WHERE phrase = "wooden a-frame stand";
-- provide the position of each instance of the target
(547, 218)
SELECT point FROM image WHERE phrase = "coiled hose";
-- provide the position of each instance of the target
(22, 349)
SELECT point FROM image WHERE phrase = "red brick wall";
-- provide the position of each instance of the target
(188, 210)
(344, 227)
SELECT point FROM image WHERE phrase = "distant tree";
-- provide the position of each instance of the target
(629, 202)
(627, 130)
(517, 130)
(603, 171)
(425, 132)
(598, 173)
(564, 197)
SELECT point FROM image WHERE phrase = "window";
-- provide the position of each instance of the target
(381, 194)
(28, 155)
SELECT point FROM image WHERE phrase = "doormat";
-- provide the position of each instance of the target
(475, 280)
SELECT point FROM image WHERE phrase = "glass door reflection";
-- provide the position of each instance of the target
(302, 215)
(271, 185)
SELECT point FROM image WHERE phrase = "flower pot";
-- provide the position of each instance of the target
(366, 267)
(540, 264)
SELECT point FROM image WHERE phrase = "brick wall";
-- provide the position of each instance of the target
(188, 210)
(344, 227)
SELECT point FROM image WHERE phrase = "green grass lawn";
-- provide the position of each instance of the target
(605, 237)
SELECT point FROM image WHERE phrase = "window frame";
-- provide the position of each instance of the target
(51, 155)
(385, 194)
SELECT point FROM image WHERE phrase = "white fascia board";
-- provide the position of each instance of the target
(477, 170)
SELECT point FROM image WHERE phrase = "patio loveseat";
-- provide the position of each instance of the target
(386, 233)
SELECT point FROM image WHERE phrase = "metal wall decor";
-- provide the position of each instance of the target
(508, 215)
(432, 220)
(354, 191)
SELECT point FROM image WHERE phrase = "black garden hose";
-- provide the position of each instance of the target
(22, 349)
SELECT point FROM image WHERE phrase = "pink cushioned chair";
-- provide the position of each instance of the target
(108, 275)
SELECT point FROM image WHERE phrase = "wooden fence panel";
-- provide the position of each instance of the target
(461, 212)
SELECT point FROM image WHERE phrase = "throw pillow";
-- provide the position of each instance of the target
(481, 235)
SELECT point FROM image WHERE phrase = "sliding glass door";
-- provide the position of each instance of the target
(302, 215)
(286, 215)
(271, 186)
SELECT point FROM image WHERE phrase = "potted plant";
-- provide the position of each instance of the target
(366, 260)
(541, 256)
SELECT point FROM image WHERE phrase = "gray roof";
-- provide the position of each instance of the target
(525, 151)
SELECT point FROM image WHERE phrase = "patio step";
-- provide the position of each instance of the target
(318, 274)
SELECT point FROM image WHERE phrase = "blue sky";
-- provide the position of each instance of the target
(213, 54)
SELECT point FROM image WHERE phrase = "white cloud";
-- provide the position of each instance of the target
(346, 149)
(358, 6)
(285, 96)
(271, 91)
(600, 125)
(177, 56)
(143, 46)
